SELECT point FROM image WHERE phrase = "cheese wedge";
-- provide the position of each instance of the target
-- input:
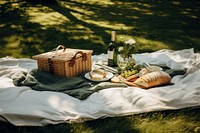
(97, 74)
(115, 79)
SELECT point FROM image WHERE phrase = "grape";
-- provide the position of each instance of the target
(126, 76)
(130, 69)
(122, 74)
(132, 73)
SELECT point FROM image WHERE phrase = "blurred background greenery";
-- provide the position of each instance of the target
(29, 27)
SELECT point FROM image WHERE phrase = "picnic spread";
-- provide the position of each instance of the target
(43, 91)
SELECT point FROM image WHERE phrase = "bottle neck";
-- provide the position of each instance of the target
(113, 36)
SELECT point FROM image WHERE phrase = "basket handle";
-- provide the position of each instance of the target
(56, 50)
(49, 59)
(84, 58)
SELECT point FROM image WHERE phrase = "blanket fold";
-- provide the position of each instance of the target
(22, 106)
(170, 71)
(77, 87)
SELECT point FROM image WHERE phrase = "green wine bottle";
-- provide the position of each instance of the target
(112, 51)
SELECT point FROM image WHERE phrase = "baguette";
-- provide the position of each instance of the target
(150, 80)
(133, 77)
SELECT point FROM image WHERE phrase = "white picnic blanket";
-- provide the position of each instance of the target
(24, 106)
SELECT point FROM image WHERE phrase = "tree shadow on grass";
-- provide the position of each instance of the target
(188, 119)
(22, 37)
(96, 30)
(87, 25)
(107, 125)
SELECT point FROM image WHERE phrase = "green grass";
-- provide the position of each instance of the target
(29, 27)
(177, 121)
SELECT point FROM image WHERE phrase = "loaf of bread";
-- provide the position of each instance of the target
(151, 79)
(97, 74)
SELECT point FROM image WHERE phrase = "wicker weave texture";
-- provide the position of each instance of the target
(62, 63)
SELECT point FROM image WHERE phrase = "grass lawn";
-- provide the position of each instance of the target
(30, 27)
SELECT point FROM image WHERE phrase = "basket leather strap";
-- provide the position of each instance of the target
(84, 58)
(50, 63)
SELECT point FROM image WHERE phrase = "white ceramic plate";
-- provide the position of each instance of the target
(109, 75)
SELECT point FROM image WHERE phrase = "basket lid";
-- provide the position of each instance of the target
(61, 55)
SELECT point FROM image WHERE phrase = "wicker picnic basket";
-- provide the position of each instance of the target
(65, 62)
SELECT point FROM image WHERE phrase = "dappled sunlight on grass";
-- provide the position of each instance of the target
(16, 4)
(143, 44)
(41, 26)
(151, 45)
(161, 123)
(143, 11)
(47, 18)
(77, 8)
(3, 1)
(12, 41)
(103, 3)
(103, 24)
(12, 47)
(96, 39)
(86, 15)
